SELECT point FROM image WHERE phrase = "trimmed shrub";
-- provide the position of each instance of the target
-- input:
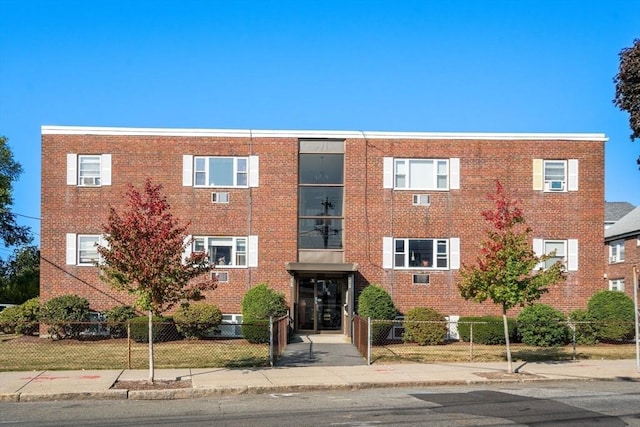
(258, 304)
(163, 329)
(614, 313)
(195, 320)
(543, 326)
(117, 319)
(583, 324)
(21, 319)
(64, 316)
(424, 326)
(486, 329)
(376, 303)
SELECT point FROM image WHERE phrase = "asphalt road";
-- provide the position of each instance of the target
(540, 404)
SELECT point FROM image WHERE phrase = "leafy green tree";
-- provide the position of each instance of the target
(20, 276)
(144, 256)
(613, 313)
(11, 233)
(627, 83)
(505, 271)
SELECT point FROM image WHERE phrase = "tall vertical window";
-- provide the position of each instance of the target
(89, 170)
(557, 250)
(320, 200)
(616, 251)
(88, 248)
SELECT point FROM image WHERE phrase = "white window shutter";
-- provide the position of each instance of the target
(253, 251)
(187, 170)
(105, 169)
(72, 169)
(71, 249)
(538, 181)
(387, 252)
(454, 253)
(454, 174)
(387, 172)
(187, 246)
(572, 255)
(538, 249)
(573, 175)
(254, 171)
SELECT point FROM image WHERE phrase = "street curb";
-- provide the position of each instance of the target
(202, 392)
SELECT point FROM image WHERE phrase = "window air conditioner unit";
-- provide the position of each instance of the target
(91, 180)
(613, 258)
(420, 279)
(556, 185)
(421, 200)
(219, 197)
(221, 276)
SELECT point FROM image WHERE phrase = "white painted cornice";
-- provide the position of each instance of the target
(247, 133)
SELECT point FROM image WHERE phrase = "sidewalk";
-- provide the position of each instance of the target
(76, 385)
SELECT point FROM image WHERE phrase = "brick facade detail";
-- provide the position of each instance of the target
(371, 212)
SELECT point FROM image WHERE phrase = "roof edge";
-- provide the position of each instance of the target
(258, 133)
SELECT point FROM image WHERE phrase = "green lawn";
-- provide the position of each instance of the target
(33, 353)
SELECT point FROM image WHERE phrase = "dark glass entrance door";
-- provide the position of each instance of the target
(320, 303)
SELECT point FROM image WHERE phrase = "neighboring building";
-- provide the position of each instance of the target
(321, 214)
(613, 211)
(622, 250)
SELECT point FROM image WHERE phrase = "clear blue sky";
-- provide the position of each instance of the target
(433, 66)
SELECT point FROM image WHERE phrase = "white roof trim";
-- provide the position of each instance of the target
(246, 133)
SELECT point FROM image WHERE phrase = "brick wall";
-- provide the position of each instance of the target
(371, 212)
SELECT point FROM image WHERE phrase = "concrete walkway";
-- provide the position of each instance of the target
(320, 350)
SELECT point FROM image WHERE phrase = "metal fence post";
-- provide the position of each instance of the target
(369, 339)
(271, 352)
(573, 330)
(471, 342)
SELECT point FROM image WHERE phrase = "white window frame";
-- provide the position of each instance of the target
(437, 254)
(402, 168)
(570, 256)
(555, 184)
(563, 257)
(240, 248)
(616, 285)
(616, 251)
(76, 248)
(76, 176)
(238, 171)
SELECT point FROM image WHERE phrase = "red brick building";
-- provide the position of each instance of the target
(622, 252)
(321, 214)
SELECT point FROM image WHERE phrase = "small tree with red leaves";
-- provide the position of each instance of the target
(506, 269)
(143, 256)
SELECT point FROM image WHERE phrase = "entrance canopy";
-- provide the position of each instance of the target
(299, 267)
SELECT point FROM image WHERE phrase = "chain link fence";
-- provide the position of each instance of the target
(382, 341)
(98, 345)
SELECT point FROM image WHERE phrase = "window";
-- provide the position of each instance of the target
(220, 171)
(555, 175)
(557, 250)
(421, 253)
(565, 251)
(210, 171)
(320, 200)
(616, 251)
(616, 285)
(89, 170)
(421, 174)
(223, 251)
(82, 249)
